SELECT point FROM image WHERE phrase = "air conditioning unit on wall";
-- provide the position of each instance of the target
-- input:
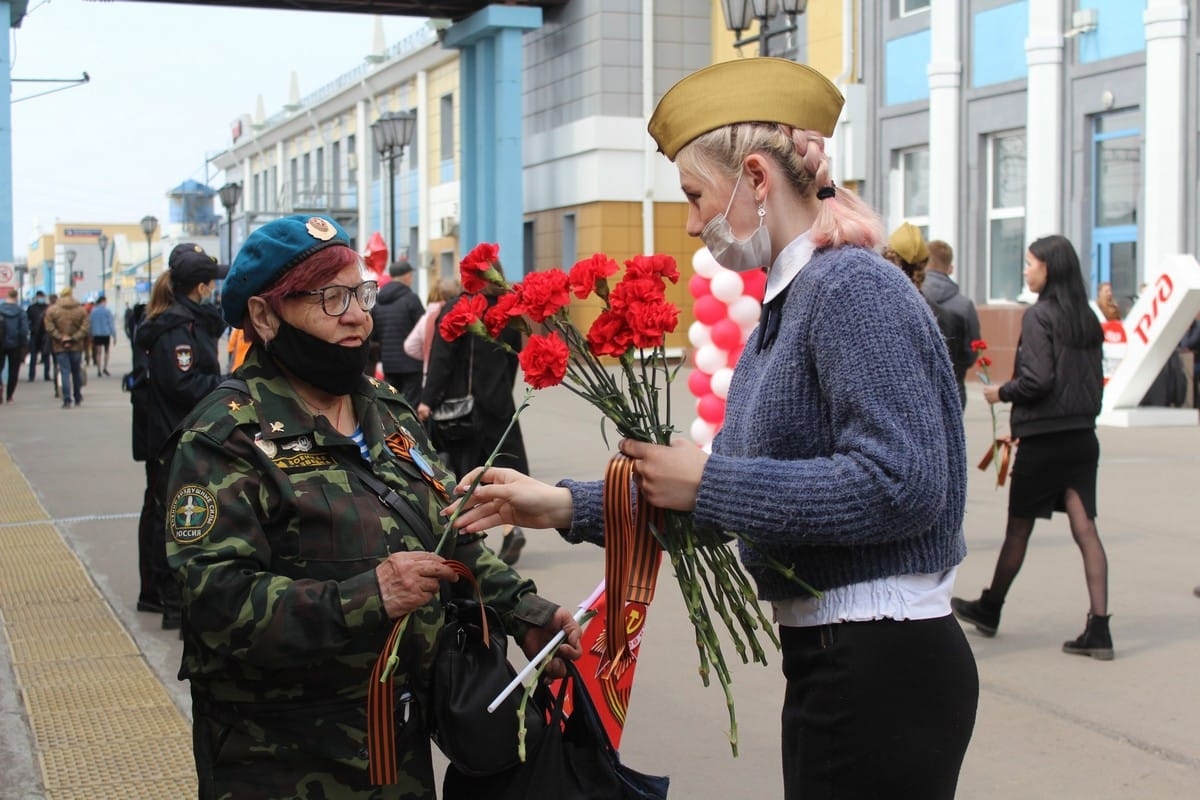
(449, 226)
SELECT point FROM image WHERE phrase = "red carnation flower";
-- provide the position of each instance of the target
(544, 361)
(655, 266)
(978, 345)
(984, 362)
(610, 335)
(542, 294)
(476, 269)
(651, 322)
(464, 314)
(498, 316)
(587, 274)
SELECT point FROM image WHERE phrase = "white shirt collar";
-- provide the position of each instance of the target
(792, 258)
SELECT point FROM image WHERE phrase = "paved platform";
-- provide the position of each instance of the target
(90, 705)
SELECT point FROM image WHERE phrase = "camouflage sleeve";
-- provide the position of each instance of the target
(221, 554)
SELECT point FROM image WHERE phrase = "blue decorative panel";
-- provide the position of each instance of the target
(1119, 30)
(907, 77)
(998, 44)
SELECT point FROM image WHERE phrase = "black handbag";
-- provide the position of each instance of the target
(470, 669)
(454, 418)
(574, 761)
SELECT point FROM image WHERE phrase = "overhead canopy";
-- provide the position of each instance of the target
(445, 9)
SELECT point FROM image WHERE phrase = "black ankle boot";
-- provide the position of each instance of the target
(983, 613)
(1095, 641)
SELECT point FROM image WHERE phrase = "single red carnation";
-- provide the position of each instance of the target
(476, 268)
(498, 316)
(542, 294)
(610, 335)
(636, 290)
(589, 272)
(656, 266)
(544, 360)
(468, 310)
(651, 322)
(984, 362)
(978, 345)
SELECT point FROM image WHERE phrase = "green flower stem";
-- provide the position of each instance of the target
(448, 530)
(393, 657)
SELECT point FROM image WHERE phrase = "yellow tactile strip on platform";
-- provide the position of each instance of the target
(102, 723)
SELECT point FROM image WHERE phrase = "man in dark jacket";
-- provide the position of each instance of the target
(14, 338)
(38, 346)
(959, 321)
(396, 312)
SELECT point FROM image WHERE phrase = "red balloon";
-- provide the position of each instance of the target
(711, 408)
(709, 310)
(734, 355)
(754, 283)
(698, 286)
(699, 383)
(726, 334)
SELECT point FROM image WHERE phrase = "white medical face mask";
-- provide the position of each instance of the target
(739, 255)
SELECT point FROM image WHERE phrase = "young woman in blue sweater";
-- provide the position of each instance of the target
(841, 453)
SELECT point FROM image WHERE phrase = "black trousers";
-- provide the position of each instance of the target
(877, 709)
(13, 356)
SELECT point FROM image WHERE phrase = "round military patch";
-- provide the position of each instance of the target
(193, 514)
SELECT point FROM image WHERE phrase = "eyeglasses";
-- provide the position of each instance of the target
(335, 300)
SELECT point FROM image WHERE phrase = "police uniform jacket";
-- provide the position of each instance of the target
(182, 359)
(276, 540)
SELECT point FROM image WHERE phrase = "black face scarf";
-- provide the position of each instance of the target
(330, 367)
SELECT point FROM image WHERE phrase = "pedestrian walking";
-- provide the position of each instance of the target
(395, 314)
(958, 318)
(1055, 393)
(104, 334)
(67, 324)
(39, 347)
(14, 340)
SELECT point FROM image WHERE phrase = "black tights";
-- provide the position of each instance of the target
(1083, 530)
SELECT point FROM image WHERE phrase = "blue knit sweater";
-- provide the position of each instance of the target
(842, 453)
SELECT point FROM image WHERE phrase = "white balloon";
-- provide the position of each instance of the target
(705, 265)
(699, 334)
(745, 311)
(726, 286)
(702, 432)
(720, 382)
(710, 358)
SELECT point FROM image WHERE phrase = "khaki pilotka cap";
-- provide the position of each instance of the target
(909, 244)
(746, 90)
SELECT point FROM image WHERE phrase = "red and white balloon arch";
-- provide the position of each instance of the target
(727, 307)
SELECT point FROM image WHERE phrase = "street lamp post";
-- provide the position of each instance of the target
(392, 132)
(738, 14)
(230, 194)
(102, 240)
(149, 226)
(70, 254)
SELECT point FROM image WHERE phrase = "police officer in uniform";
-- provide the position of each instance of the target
(293, 571)
(179, 339)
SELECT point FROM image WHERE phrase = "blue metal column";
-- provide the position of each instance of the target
(492, 189)
(6, 173)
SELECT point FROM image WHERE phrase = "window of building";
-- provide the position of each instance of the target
(1005, 215)
(351, 164)
(906, 8)
(910, 188)
(446, 144)
(569, 239)
(528, 239)
(1116, 197)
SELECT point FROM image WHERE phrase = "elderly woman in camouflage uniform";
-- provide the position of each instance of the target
(292, 570)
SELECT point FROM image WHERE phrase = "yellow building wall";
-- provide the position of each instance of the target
(442, 81)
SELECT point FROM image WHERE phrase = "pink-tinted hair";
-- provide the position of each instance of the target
(844, 219)
(314, 272)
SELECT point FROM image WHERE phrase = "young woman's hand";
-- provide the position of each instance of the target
(668, 476)
(507, 497)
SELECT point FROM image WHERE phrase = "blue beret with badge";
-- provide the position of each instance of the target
(271, 251)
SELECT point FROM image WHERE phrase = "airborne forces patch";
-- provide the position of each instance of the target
(193, 514)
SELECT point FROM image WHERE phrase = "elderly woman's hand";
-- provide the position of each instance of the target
(537, 638)
(409, 580)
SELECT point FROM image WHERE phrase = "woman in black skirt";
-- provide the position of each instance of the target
(1055, 391)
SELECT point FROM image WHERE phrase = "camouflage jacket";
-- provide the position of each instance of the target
(275, 544)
